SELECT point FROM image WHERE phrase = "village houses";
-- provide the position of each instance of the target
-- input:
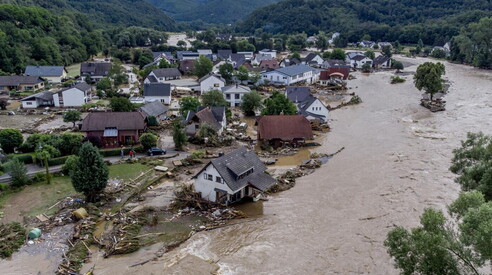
(291, 75)
(213, 116)
(95, 70)
(232, 177)
(41, 99)
(211, 82)
(20, 83)
(52, 74)
(155, 109)
(233, 94)
(75, 96)
(162, 75)
(157, 92)
(114, 128)
(307, 105)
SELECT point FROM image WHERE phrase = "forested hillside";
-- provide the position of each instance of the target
(435, 21)
(210, 11)
(107, 13)
(63, 32)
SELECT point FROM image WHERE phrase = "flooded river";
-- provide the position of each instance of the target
(334, 221)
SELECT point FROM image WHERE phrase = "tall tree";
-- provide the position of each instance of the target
(322, 42)
(226, 70)
(18, 172)
(91, 173)
(251, 103)
(338, 54)
(121, 104)
(10, 139)
(203, 66)
(278, 104)
(429, 78)
(213, 98)
(72, 116)
(148, 140)
(187, 104)
(242, 73)
(179, 135)
(386, 51)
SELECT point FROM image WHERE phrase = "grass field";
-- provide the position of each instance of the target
(73, 70)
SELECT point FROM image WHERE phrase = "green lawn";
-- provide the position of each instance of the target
(35, 199)
(73, 70)
(126, 171)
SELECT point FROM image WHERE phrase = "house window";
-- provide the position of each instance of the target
(218, 179)
(163, 100)
(28, 103)
(216, 85)
(210, 177)
(228, 96)
(237, 96)
(205, 175)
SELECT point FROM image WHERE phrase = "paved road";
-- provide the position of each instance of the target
(33, 169)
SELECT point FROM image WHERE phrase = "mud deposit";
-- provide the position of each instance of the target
(335, 220)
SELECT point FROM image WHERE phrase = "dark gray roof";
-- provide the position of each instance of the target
(232, 165)
(335, 63)
(297, 94)
(45, 95)
(167, 72)
(16, 80)
(211, 74)
(294, 70)
(309, 57)
(218, 112)
(44, 70)
(239, 59)
(152, 79)
(380, 60)
(359, 57)
(179, 54)
(224, 54)
(155, 108)
(157, 89)
(81, 86)
(167, 54)
(95, 68)
(291, 61)
(304, 107)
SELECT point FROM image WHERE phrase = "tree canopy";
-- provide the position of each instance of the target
(10, 139)
(121, 104)
(203, 66)
(187, 104)
(251, 103)
(278, 104)
(213, 98)
(91, 173)
(429, 77)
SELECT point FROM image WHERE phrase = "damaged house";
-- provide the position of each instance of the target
(232, 177)
(213, 116)
(277, 131)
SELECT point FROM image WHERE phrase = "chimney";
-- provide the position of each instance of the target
(237, 85)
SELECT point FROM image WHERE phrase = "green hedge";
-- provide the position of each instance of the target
(57, 161)
(117, 151)
(25, 158)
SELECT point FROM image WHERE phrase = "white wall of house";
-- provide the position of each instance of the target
(318, 108)
(358, 64)
(72, 98)
(275, 77)
(206, 187)
(28, 104)
(164, 99)
(211, 83)
(247, 55)
(272, 54)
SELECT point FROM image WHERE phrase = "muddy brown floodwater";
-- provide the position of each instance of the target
(334, 221)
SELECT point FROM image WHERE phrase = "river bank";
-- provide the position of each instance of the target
(335, 220)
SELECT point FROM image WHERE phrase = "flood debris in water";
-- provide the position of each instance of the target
(12, 237)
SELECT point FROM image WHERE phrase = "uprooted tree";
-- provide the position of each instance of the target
(91, 173)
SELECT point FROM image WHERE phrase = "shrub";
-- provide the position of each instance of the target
(117, 151)
(397, 79)
(96, 141)
(57, 161)
(24, 158)
(39, 177)
(69, 165)
(152, 121)
(18, 172)
(148, 140)
(10, 139)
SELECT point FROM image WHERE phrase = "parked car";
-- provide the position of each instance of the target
(154, 151)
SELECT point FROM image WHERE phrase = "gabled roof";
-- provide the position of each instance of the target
(270, 64)
(224, 54)
(179, 54)
(167, 54)
(45, 70)
(284, 127)
(81, 86)
(297, 94)
(99, 121)
(16, 80)
(45, 95)
(236, 89)
(96, 68)
(304, 107)
(294, 70)
(260, 57)
(310, 57)
(155, 108)
(218, 76)
(152, 79)
(380, 60)
(206, 115)
(238, 59)
(360, 57)
(167, 72)
(291, 61)
(218, 112)
(230, 166)
(351, 55)
(186, 66)
(157, 89)
(335, 63)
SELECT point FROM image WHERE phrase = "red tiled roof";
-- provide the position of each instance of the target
(285, 127)
(119, 120)
(325, 75)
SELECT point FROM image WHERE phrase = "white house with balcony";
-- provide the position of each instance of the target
(233, 94)
(291, 75)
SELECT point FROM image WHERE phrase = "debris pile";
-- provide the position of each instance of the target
(12, 237)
